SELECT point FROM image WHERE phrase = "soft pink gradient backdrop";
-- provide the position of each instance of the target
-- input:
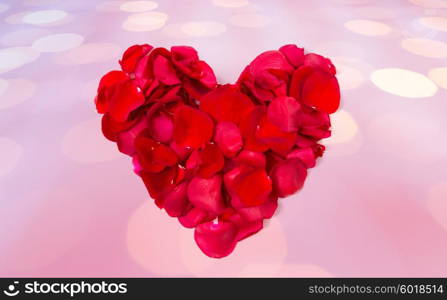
(376, 205)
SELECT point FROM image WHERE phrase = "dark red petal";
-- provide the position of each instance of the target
(216, 239)
(161, 127)
(255, 159)
(126, 98)
(248, 186)
(158, 183)
(132, 55)
(248, 128)
(207, 77)
(297, 81)
(183, 57)
(277, 140)
(164, 71)
(319, 62)
(294, 55)
(126, 139)
(228, 138)
(284, 112)
(321, 90)
(248, 229)
(110, 128)
(194, 217)
(153, 156)
(260, 212)
(192, 128)
(211, 161)
(176, 201)
(306, 155)
(226, 103)
(288, 177)
(205, 193)
(105, 91)
(270, 61)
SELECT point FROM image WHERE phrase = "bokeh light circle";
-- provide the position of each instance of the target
(84, 143)
(404, 83)
(368, 27)
(16, 57)
(203, 28)
(145, 21)
(43, 17)
(425, 47)
(58, 42)
(138, 6)
(15, 91)
(439, 76)
(437, 23)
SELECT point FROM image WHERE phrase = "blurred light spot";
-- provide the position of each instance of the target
(403, 83)
(344, 128)
(145, 21)
(374, 12)
(39, 2)
(11, 154)
(84, 143)
(16, 57)
(437, 23)
(243, 256)
(57, 219)
(16, 18)
(413, 136)
(425, 47)
(3, 7)
(230, 3)
(58, 42)
(348, 77)
(22, 37)
(15, 91)
(439, 76)
(303, 270)
(250, 20)
(138, 6)
(203, 28)
(430, 3)
(89, 53)
(351, 2)
(437, 203)
(110, 6)
(153, 241)
(44, 17)
(367, 27)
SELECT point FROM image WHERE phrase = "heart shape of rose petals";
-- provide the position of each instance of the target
(218, 157)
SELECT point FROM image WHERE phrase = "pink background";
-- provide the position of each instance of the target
(376, 205)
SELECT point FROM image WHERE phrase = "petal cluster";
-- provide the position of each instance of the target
(218, 157)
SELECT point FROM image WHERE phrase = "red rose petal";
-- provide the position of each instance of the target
(260, 212)
(158, 183)
(321, 90)
(164, 71)
(288, 177)
(194, 217)
(306, 155)
(205, 193)
(111, 128)
(107, 82)
(176, 201)
(216, 239)
(284, 112)
(226, 103)
(126, 139)
(294, 55)
(228, 138)
(240, 182)
(162, 127)
(126, 98)
(298, 78)
(277, 140)
(132, 55)
(252, 158)
(211, 161)
(319, 62)
(248, 229)
(153, 156)
(192, 128)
